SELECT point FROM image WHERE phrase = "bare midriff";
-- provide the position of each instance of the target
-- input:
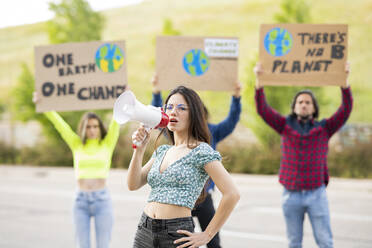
(158, 210)
(91, 184)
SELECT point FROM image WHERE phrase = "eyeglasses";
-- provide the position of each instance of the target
(179, 107)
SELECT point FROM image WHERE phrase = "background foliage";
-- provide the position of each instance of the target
(75, 21)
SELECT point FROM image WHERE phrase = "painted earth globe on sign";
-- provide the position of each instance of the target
(195, 62)
(109, 57)
(278, 42)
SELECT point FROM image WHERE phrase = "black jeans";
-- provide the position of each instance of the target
(160, 233)
(205, 212)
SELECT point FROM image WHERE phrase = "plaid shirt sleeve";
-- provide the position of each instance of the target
(342, 114)
(270, 116)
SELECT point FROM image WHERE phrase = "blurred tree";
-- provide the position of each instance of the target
(74, 21)
(279, 97)
(2, 108)
(22, 105)
(293, 11)
(23, 108)
(168, 28)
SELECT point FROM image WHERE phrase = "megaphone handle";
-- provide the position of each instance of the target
(138, 143)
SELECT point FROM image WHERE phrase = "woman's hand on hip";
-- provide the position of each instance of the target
(193, 240)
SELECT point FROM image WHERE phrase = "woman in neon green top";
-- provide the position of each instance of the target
(92, 152)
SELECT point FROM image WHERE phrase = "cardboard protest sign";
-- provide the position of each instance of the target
(303, 54)
(80, 76)
(201, 63)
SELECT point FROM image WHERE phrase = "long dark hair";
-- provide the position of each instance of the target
(198, 128)
(82, 130)
(315, 103)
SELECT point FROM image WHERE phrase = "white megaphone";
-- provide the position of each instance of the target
(127, 108)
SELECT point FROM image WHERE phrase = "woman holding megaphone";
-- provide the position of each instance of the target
(176, 174)
(92, 150)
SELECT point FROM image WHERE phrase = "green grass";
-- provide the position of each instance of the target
(139, 24)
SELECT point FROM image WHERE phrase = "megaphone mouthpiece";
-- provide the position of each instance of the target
(124, 107)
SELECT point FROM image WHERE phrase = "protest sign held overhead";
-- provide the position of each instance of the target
(80, 76)
(201, 63)
(303, 54)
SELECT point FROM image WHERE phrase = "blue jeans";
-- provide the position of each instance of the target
(313, 202)
(95, 204)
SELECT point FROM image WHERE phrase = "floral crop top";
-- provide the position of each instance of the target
(182, 182)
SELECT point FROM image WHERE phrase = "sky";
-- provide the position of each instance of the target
(20, 12)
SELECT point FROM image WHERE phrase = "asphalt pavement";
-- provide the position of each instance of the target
(36, 210)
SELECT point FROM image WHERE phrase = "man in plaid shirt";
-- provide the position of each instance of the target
(303, 167)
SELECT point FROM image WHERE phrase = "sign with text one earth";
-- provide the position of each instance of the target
(80, 76)
(201, 63)
(303, 54)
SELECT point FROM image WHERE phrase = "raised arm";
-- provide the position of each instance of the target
(113, 131)
(112, 135)
(68, 135)
(230, 197)
(270, 116)
(224, 128)
(338, 119)
(137, 175)
(156, 101)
